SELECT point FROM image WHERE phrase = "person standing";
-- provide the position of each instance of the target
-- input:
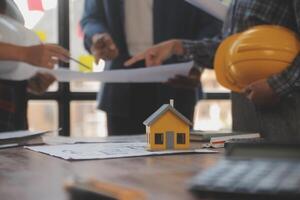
(251, 110)
(118, 29)
(13, 94)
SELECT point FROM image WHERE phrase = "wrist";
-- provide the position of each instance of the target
(178, 49)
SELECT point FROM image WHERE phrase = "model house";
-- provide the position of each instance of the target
(167, 129)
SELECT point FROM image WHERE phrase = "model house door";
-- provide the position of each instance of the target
(170, 140)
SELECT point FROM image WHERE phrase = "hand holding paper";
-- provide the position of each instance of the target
(39, 83)
(17, 71)
(45, 55)
(24, 47)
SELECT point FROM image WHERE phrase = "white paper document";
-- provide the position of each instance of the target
(58, 140)
(213, 7)
(19, 134)
(105, 151)
(158, 74)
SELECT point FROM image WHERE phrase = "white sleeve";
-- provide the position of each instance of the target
(14, 12)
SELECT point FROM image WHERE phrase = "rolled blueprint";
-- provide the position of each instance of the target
(213, 7)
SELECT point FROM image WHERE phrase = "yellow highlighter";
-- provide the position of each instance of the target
(86, 63)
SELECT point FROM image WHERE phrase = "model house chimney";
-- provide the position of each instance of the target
(172, 102)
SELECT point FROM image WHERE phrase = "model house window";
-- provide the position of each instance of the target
(159, 138)
(180, 138)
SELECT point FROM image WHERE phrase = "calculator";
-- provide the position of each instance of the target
(252, 171)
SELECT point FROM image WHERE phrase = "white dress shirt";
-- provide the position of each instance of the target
(13, 11)
(138, 25)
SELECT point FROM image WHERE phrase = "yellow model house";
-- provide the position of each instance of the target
(167, 129)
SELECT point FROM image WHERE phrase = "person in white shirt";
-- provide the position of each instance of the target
(13, 94)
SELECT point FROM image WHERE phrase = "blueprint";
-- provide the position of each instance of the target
(106, 151)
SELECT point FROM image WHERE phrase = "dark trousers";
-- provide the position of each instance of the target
(117, 125)
(279, 123)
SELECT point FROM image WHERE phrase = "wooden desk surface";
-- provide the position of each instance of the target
(29, 175)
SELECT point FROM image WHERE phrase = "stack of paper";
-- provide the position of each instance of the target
(218, 142)
(205, 136)
(20, 138)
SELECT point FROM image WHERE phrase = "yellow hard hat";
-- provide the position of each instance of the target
(255, 54)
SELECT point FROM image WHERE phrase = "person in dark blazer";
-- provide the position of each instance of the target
(117, 29)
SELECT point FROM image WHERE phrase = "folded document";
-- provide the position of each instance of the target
(213, 7)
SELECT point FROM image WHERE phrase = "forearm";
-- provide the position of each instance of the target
(93, 21)
(202, 51)
(12, 52)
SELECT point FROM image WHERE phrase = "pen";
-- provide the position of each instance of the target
(80, 63)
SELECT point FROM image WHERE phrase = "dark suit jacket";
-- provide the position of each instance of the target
(172, 19)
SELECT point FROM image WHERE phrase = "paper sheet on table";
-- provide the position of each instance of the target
(213, 7)
(24, 137)
(105, 151)
(19, 134)
(58, 140)
(157, 74)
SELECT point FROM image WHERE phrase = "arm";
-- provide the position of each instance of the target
(97, 40)
(43, 55)
(202, 52)
(267, 92)
(12, 52)
(286, 82)
(93, 21)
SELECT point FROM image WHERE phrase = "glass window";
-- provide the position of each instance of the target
(210, 83)
(181, 138)
(213, 115)
(78, 51)
(42, 115)
(159, 138)
(42, 18)
(86, 120)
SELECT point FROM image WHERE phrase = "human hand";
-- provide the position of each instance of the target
(192, 81)
(261, 94)
(45, 55)
(103, 47)
(39, 83)
(157, 54)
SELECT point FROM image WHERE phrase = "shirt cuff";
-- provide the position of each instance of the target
(287, 81)
(280, 85)
(201, 52)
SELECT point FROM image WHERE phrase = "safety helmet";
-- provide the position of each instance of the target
(255, 54)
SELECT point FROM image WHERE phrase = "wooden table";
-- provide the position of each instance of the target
(28, 175)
